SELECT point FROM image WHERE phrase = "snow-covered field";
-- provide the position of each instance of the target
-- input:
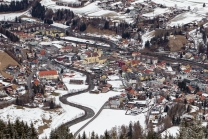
(111, 118)
(71, 1)
(93, 101)
(11, 16)
(157, 12)
(92, 9)
(84, 41)
(181, 3)
(68, 113)
(188, 17)
(50, 119)
(73, 87)
(171, 131)
(147, 36)
(196, 13)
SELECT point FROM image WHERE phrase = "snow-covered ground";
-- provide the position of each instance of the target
(115, 84)
(68, 113)
(147, 36)
(111, 118)
(91, 9)
(157, 11)
(29, 19)
(38, 116)
(11, 16)
(70, 1)
(187, 17)
(84, 41)
(171, 131)
(93, 101)
(196, 13)
(74, 87)
(181, 3)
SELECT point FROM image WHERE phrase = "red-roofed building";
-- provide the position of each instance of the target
(148, 71)
(202, 97)
(177, 100)
(42, 52)
(123, 95)
(136, 53)
(48, 74)
(187, 71)
(36, 82)
(191, 89)
(161, 64)
(124, 68)
(135, 62)
(199, 93)
(66, 49)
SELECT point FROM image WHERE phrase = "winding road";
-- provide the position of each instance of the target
(88, 112)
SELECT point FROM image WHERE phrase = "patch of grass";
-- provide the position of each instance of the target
(5, 60)
(41, 128)
(47, 121)
(177, 43)
(19, 107)
(55, 94)
(93, 30)
(45, 126)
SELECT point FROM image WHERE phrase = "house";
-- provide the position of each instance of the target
(68, 48)
(72, 81)
(114, 103)
(102, 59)
(155, 114)
(48, 74)
(104, 89)
(94, 91)
(60, 86)
(20, 89)
(94, 57)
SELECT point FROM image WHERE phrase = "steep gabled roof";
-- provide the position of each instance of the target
(48, 72)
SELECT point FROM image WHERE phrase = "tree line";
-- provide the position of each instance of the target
(10, 35)
(17, 130)
(48, 15)
(187, 129)
(14, 6)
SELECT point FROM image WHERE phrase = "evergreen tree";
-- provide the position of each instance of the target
(206, 131)
(204, 5)
(147, 44)
(79, 137)
(84, 135)
(32, 132)
(51, 105)
(92, 135)
(106, 135)
(166, 108)
(96, 136)
(130, 133)
(195, 130)
(188, 109)
(17, 101)
(106, 25)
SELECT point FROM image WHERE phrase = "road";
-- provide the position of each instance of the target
(115, 47)
(88, 112)
(29, 79)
